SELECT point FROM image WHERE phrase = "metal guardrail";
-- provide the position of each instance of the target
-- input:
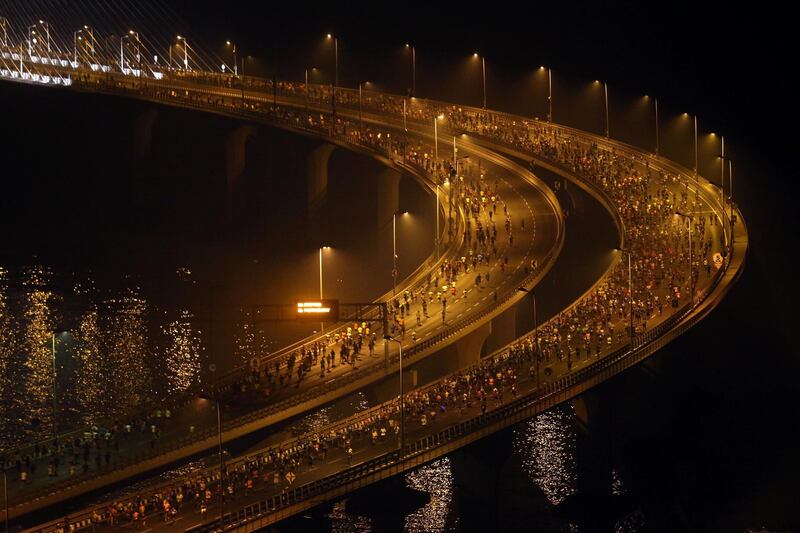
(601, 366)
(453, 331)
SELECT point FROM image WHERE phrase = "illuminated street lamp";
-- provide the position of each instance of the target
(630, 288)
(321, 248)
(730, 196)
(88, 30)
(690, 220)
(46, 26)
(438, 203)
(185, 52)
(695, 144)
(402, 397)
(413, 69)
(235, 61)
(335, 71)
(549, 93)
(535, 331)
(657, 132)
(394, 250)
(483, 75)
(31, 39)
(436, 137)
(135, 36)
(305, 86)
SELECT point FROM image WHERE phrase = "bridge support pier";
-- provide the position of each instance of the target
(524, 315)
(143, 134)
(478, 471)
(504, 331)
(471, 347)
(235, 165)
(594, 445)
(465, 351)
(388, 200)
(317, 179)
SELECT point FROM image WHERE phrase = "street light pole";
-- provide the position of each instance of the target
(30, 39)
(550, 95)
(402, 398)
(185, 52)
(235, 61)
(690, 220)
(483, 69)
(305, 86)
(75, 46)
(321, 324)
(605, 91)
(435, 141)
(695, 143)
(394, 254)
(657, 139)
(436, 241)
(722, 174)
(413, 69)
(55, 375)
(730, 196)
(535, 331)
(335, 75)
(630, 290)
(46, 26)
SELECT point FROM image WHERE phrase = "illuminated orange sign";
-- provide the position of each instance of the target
(319, 310)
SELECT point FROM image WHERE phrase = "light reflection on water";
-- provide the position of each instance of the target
(113, 349)
(437, 480)
(546, 445)
(36, 344)
(345, 522)
(319, 418)
(183, 352)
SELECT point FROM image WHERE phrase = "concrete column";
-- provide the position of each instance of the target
(470, 347)
(236, 153)
(235, 164)
(593, 413)
(317, 178)
(478, 471)
(388, 200)
(504, 330)
(143, 134)
(524, 315)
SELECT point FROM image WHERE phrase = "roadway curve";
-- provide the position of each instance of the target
(519, 191)
(568, 377)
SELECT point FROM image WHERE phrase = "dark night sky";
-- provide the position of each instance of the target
(727, 62)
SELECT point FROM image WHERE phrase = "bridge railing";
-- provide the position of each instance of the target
(452, 432)
(297, 399)
(429, 342)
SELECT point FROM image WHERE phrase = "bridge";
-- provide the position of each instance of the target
(655, 203)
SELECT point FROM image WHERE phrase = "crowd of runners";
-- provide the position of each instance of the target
(98, 447)
(656, 238)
